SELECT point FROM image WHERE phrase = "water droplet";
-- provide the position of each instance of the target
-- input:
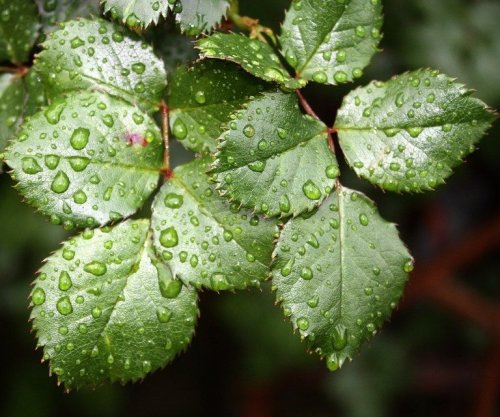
(306, 273)
(257, 166)
(284, 203)
(79, 138)
(64, 306)
(339, 336)
(332, 362)
(60, 183)
(219, 282)
(320, 77)
(180, 129)
(249, 131)
(173, 201)
(169, 237)
(311, 191)
(79, 197)
(76, 42)
(332, 171)
(302, 323)
(30, 165)
(414, 132)
(38, 296)
(363, 219)
(340, 76)
(65, 282)
(53, 113)
(96, 312)
(95, 268)
(163, 314)
(78, 163)
(200, 97)
(408, 266)
(274, 74)
(51, 161)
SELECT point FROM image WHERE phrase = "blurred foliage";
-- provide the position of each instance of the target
(243, 360)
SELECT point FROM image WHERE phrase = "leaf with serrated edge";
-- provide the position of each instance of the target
(202, 98)
(55, 11)
(274, 159)
(199, 16)
(408, 133)
(87, 159)
(255, 56)
(339, 273)
(138, 13)
(103, 312)
(331, 41)
(19, 25)
(206, 241)
(96, 54)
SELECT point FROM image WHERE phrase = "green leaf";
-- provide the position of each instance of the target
(204, 240)
(11, 106)
(203, 97)
(87, 159)
(331, 41)
(339, 273)
(19, 97)
(138, 13)
(19, 27)
(100, 312)
(197, 16)
(408, 133)
(256, 57)
(99, 55)
(54, 11)
(274, 159)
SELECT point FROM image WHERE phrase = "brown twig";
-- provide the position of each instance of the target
(305, 105)
(167, 172)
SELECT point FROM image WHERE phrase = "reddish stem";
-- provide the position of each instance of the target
(305, 105)
(167, 172)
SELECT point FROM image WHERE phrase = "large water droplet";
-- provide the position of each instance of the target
(169, 237)
(38, 296)
(60, 183)
(79, 138)
(30, 165)
(64, 306)
(95, 268)
(65, 282)
(311, 191)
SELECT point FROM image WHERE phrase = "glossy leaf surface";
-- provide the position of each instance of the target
(87, 159)
(331, 41)
(205, 240)
(202, 98)
(274, 159)
(100, 310)
(339, 273)
(408, 133)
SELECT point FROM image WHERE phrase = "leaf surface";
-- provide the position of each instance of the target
(203, 97)
(274, 159)
(138, 13)
(255, 56)
(87, 159)
(331, 41)
(206, 241)
(197, 16)
(96, 54)
(408, 133)
(339, 273)
(19, 25)
(102, 310)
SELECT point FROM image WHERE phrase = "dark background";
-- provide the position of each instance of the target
(438, 356)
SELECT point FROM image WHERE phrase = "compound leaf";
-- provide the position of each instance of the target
(103, 312)
(274, 159)
(138, 13)
(99, 55)
(202, 98)
(197, 16)
(331, 41)
(87, 159)
(339, 273)
(255, 56)
(19, 25)
(408, 133)
(206, 241)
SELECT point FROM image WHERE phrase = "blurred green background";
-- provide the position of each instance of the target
(429, 360)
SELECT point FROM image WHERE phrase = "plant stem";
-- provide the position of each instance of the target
(167, 172)
(249, 24)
